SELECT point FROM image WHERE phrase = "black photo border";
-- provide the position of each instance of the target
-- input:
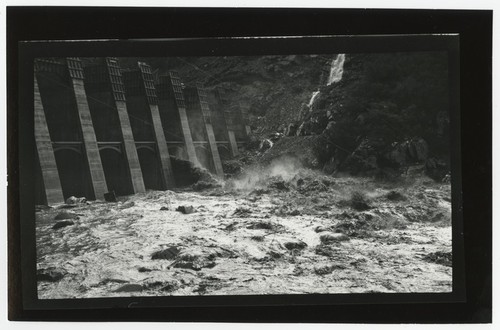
(208, 32)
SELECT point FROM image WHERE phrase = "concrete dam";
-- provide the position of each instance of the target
(101, 128)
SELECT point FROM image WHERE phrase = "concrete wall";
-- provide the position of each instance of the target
(91, 136)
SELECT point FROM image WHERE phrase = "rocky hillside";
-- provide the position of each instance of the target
(274, 89)
(382, 112)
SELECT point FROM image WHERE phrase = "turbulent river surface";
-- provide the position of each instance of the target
(303, 234)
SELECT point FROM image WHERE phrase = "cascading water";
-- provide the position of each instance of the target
(313, 98)
(336, 69)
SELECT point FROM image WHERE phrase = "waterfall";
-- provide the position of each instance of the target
(336, 69)
(313, 98)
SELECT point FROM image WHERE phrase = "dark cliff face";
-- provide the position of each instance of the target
(274, 89)
(389, 110)
(384, 109)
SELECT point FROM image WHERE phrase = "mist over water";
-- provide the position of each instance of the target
(284, 168)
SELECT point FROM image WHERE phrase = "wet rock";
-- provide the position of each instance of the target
(325, 250)
(333, 237)
(279, 184)
(257, 238)
(273, 255)
(39, 208)
(231, 226)
(167, 286)
(313, 186)
(265, 145)
(363, 159)
(323, 270)
(144, 270)
(438, 217)
(194, 265)
(275, 136)
(232, 167)
(395, 196)
(164, 208)
(187, 173)
(359, 201)
(204, 185)
(50, 274)
(110, 197)
(350, 228)
(76, 200)
(127, 205)
(295, 245)
(442, 258)
(66, 215)
(262, 225)
(195, 262)
(169, 254)
(330, 166)
(436, 168)
(327, 269)
(298, 271)
(320, 229)
(260, 191)
(294, 212)
(62, 224)
(129, 288)
(418, 149)
(185, 209)
(242, 212)
(291, 130)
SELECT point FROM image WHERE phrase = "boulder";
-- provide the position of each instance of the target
(169, 253)
(144, 270)
(295, 245)
(185, 209)
(265, 145)
(50, 274)
(418, 149)
(333, 237)
(395, 196)
(76, 200)
(291, 130)
(436, 168)
(63, 223)
(129, 288)
(65, 215)
(319, 229)
(110, 197)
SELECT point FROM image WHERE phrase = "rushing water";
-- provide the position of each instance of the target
(336, 69)
(313, 98)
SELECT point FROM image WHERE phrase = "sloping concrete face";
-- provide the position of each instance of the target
(242, 119)
(50, 175)
(95, 132)
(172, 107)
(198, 107)
(91, 149)
(130, 149)
(108, 107)
(151, 98)
(118, 91)
(223, 107)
